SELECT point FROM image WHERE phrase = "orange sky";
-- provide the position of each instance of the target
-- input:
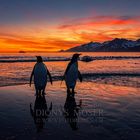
(68, 33)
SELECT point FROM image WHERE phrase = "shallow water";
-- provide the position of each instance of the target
(19, 73)
(107, 112)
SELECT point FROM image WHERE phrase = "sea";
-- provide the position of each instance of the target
(118, 68)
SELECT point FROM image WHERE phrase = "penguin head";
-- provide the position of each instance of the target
(75, 57)
(39, 59)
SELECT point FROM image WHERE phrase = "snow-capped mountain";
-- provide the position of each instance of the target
(86, 47)
(115, 45)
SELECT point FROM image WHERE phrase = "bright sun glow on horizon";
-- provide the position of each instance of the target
(47, 26)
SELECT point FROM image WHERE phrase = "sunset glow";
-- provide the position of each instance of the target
(35, 33)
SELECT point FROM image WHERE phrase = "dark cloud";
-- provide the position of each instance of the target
(25, 11)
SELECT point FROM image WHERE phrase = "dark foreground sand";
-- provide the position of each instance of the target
(106, 112)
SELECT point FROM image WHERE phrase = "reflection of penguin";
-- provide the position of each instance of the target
(40, 73)
(71, 110)
(72, 73)
(40, 112)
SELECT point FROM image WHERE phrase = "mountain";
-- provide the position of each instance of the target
(115, 45)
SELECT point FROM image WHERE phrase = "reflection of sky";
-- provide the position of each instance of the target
(20, 72)
(60, 24)
(114, 107)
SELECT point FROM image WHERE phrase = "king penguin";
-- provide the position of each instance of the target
(40, 73)
(72, 73)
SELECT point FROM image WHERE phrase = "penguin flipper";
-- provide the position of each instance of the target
(32, 75)
(50, 77)
(80, 76)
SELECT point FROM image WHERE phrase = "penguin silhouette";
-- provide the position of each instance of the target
(40, 73)
(40, 112)
(72, 73)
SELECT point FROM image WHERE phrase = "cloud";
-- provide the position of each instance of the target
(101, 28)
(31, 44)
(100, 21)
(71, 33)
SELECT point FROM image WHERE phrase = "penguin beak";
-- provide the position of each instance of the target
(79, 54)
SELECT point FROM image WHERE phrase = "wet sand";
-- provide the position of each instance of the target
(106, 112)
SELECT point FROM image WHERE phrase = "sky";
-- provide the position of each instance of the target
(52, 25)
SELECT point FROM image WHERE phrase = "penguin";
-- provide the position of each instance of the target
(40, 73)
(72, 73)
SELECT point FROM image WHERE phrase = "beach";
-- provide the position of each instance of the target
(107, 112)
(105, 106)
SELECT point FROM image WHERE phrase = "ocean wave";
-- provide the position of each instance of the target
(94, 77)
(13, 59)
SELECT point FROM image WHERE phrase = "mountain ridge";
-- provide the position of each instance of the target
(115, 45)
